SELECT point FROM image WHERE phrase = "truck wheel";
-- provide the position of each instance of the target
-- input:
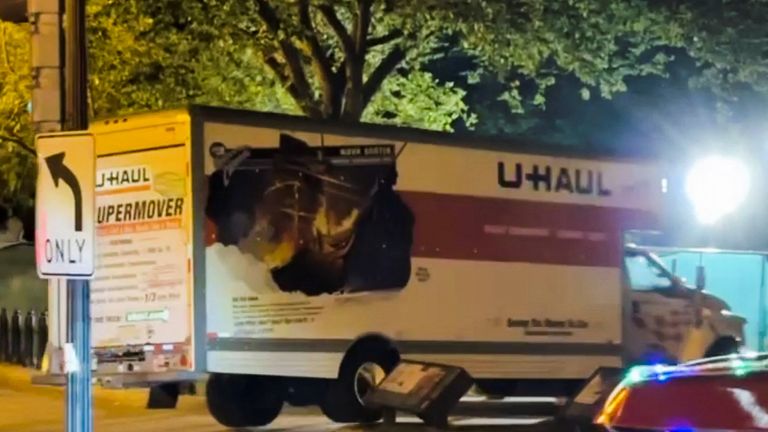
(361, 371)
(240, 400)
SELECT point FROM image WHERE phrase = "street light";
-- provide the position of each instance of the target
(716, 186)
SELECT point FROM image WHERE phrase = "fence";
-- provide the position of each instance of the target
(23, 337)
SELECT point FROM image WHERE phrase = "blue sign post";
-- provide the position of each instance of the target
(79, 410)
(65, 248)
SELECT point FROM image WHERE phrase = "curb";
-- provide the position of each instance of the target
(19, 379)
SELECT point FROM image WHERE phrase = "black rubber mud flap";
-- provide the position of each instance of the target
(163, 396)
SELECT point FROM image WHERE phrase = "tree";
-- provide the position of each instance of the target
(17, 165)
(344, 59)
(139, 59)
(727, 39)
(333, 57)
(153, 54)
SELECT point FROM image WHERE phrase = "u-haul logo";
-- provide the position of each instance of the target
(138, 177)
(548, 178)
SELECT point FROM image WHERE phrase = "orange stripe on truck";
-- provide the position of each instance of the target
(143, 226)
(129, 189)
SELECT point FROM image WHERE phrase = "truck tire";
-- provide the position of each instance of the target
(362, 368)
(238, 401)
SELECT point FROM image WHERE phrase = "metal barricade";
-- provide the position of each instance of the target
(23, 337)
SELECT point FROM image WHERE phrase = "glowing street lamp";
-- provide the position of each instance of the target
(717, 186)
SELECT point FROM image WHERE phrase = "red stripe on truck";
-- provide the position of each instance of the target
(494, 229)
(466, 227)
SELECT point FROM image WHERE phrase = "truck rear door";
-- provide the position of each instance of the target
(142, 291)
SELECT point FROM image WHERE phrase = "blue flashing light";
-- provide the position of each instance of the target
(739, 367)
(684, 371)
(636, 375)
(681, 426)
(681, 429)
(660, 369)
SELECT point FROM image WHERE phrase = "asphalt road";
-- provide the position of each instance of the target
(27, 408)
(44, 412)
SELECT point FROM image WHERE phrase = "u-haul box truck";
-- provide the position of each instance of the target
(297, 261)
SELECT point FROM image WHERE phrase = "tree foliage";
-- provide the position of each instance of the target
(728, 40)
(331, 59)
(211, 51)
(16, 153)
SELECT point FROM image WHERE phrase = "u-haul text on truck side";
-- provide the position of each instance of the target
(298, 261)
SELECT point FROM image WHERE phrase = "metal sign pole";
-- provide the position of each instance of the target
(76, 74)
(79, 397)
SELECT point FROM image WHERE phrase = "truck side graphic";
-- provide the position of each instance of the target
(322, 220)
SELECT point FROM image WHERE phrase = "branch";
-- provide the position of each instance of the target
(277, 68)
(269, 16)
(382, 71)
(321, 61)
(354, 59)
(24, 146)
(338, 28)
(340, 80)
(6, 59)
(308, 106)
(302, 90)
(362, 24)
(385, 39)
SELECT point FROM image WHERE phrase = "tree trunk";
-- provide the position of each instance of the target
(353, 92)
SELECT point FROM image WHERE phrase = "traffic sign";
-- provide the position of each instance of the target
(64, 228)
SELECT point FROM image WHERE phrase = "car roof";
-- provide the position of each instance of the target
(734, 365)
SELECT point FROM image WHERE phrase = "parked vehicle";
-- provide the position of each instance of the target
(723, 393)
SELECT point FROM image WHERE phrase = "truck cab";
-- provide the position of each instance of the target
(671, 321)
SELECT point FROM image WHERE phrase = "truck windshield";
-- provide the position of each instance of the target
(646, 273)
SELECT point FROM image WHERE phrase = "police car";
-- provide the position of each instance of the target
(717, 394)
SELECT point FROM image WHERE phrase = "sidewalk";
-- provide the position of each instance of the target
(34, 408)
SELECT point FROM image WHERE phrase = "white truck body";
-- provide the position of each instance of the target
(506, 282)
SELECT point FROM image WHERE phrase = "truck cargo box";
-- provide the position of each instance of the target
(242, 242)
